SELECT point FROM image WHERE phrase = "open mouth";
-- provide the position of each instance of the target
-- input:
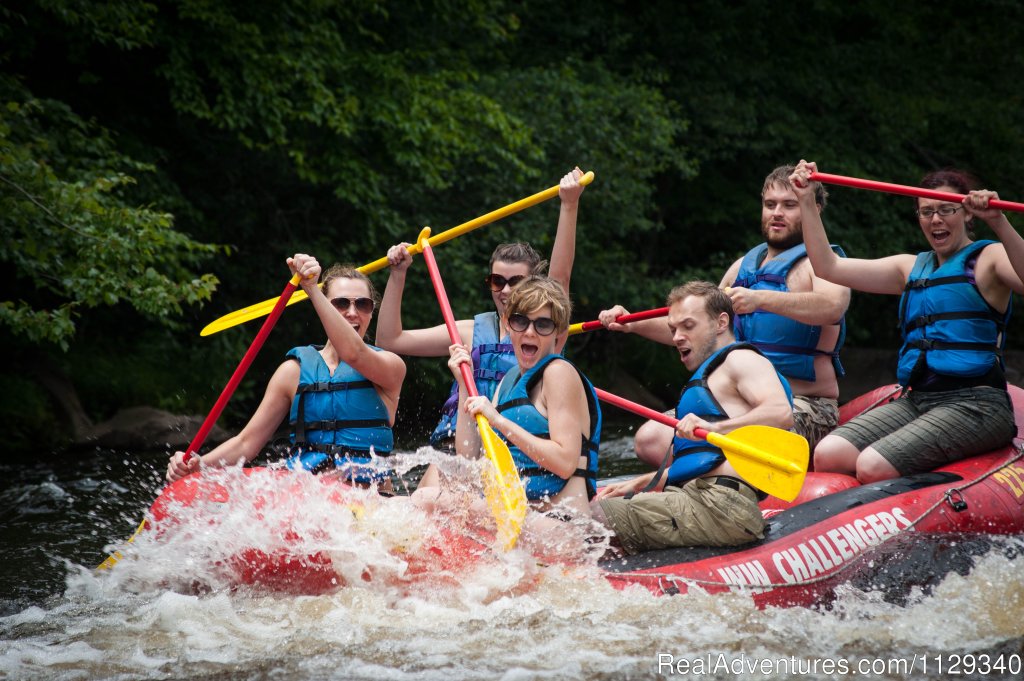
(684, 353)
(939, 236)
(528, 350)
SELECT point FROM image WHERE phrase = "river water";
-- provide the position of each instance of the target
(163, 613)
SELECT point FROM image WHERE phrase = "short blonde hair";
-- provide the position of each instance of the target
(535, 292)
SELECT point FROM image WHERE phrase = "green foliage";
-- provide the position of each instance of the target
(67, 230)
(135, 134)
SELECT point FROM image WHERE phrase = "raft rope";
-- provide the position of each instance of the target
(953, 496)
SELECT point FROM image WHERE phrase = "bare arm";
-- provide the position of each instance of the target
(752, 378)
(884, 275)
(810, 300)
(384, 369)
(1008, 265)
(651, 329)
(563, 252)
(563, 397)
(257, 432)
(430, 342)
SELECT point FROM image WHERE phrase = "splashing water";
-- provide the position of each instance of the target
(173, 608)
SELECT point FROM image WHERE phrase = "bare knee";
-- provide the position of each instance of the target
(835, 455)
(651, 442)
(873, 467)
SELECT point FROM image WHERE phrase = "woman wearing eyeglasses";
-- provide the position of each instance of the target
(340, 399)
(486, 333)
(544, 408)
(955, 303)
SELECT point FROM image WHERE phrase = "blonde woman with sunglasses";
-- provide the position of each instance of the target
(545, 408)
(486, 334)
(340, 398)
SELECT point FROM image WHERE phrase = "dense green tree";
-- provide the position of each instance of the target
(339, 128)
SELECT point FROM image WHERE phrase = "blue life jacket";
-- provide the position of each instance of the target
(948, 327)
(694, 458)
(336, 419)
(790, 345)
(513, 401)
(491, 361)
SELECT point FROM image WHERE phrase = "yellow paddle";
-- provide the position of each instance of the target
(503, 489)
(771, 459)
(263, 308)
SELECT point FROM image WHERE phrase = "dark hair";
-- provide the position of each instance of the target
(337, 271)
(960, 180)
(520, 252)
(715, 299)
(780, 176)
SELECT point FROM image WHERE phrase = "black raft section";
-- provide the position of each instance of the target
(787, 522)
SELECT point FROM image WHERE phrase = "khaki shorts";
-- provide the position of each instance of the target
(700, 513)
(814, 417)
(922, 430)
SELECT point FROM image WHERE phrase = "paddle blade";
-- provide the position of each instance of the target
(504, 491)
(113, 558)
(246, 314)
(771, 459)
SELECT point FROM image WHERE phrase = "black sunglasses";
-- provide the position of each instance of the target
(364, 305)
(544, 326)
(498, 282)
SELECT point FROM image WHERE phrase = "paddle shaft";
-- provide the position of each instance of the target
(259, 309)
(906, 190)
(446, 312)
(243, 366)
(621, 319)
(646, 412)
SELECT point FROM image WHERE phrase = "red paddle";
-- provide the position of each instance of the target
(905, 190)
(580, 327)
(225, 395)
(243, 367)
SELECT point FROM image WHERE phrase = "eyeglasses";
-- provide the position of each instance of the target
(544, 326)
(944, 211)
(498, 282)
(364, 305)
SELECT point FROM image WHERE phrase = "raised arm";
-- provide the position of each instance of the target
(384, 369)
(563, 252)
(884, 275)
(429, 342)
(1008, 266)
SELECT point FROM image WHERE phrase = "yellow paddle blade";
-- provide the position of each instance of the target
(506, 496)
(263, 309)
(771, 459)
(248, 313)
(112, 559)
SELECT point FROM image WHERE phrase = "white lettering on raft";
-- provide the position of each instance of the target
(817, 555)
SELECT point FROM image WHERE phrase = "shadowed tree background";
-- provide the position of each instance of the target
(160, 160)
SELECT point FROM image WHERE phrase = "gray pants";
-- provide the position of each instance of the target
(922, 431)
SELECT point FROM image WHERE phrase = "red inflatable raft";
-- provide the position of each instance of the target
(901, 531)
